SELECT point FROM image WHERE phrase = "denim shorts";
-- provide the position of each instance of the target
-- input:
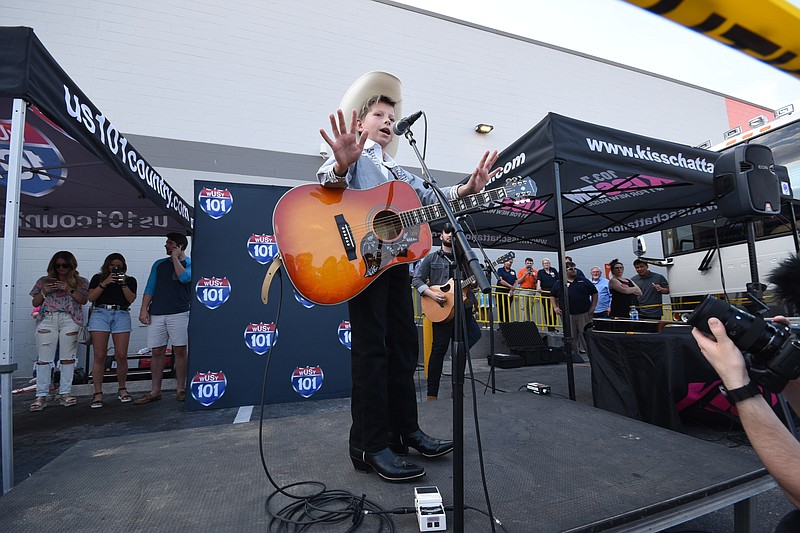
(113, 320)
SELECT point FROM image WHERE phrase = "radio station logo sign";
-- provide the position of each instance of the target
(263, 248)
(308, 304)
(213, 292)
(306, 381)
(208, 387)
(215, 202)
(38, 152)
(260, 337)
(344, 334)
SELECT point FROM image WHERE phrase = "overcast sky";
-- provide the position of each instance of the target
(624, 33)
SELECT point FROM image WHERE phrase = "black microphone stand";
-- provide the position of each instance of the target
(487, 267)
(465, 256)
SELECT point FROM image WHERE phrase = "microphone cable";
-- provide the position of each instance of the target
(319, 505)
(478, 441)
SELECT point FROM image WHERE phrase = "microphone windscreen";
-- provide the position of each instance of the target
(786, 278)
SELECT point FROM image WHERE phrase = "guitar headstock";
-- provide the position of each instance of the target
(505, 257)
(519, 188)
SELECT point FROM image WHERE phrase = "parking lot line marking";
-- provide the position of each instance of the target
(243, 415)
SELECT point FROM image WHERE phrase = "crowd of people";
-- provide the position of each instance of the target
(615, 295)
(60, 297)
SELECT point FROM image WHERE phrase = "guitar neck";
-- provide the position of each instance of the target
(470, 280)
(427, 213)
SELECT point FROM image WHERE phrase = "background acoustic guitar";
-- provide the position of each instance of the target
(436, 312)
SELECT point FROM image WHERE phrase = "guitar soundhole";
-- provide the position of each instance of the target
(387, 225)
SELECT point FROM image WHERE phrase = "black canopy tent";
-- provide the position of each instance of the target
(74, 156)
(70, 172)
(611, 184)
(595, 185)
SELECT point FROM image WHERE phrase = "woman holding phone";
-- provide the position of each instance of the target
(60, 296)
(112, 292)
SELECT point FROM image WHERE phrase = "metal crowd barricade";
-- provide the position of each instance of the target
(524, 305)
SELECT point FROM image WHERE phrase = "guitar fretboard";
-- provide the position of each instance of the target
(415, 217)
(502, 259)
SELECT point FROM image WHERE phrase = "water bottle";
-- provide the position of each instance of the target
(634, 314)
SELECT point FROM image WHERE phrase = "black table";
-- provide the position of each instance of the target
(643, 375)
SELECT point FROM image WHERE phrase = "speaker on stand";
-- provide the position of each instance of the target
(748, 188)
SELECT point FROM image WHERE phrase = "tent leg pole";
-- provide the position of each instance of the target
(11, 231)
(565, 319)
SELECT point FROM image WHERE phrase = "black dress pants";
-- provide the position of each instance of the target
(384, 354)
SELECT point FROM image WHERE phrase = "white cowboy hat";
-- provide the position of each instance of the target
(369, 85)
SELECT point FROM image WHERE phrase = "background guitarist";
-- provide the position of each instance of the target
(435, 270)
(384, 345)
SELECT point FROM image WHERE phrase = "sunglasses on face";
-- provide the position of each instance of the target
(62, 265)
(572, 268)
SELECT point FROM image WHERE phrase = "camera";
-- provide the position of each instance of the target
(117, 270)
(771, 349)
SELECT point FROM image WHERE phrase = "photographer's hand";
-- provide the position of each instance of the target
(775, 446)
(723, 355)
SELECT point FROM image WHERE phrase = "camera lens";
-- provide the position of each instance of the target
(749, 333)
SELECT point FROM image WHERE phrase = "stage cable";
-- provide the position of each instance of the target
(466, 219)
(320, 505)
(481, 463)
(719, 256)
(478, 441)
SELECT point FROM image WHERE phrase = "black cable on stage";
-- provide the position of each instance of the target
(476, 380)
(465, 340)
(320, 505)
(721, 266)
(323, 506)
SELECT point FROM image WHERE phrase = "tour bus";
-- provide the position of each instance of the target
(712, 257)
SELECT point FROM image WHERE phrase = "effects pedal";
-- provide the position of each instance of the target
(538, 388)
(430, 511)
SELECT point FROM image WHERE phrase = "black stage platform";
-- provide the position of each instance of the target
(552, 465)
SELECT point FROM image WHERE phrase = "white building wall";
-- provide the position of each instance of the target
(264, 75)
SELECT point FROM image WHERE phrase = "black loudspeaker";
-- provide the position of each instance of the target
(745, 182)
(523, 339)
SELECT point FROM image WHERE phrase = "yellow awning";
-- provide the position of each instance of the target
(768, 30)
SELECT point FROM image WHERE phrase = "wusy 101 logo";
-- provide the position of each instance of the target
(260, 337)
(208, 387)
(213, 292)
(215, 202)
(263, 248)
(306, 381)
(308, 304)
(344, 334)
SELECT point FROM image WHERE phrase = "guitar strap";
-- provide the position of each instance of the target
(397, 172)
(271, 271)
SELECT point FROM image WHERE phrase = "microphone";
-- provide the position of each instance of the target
(402, 125)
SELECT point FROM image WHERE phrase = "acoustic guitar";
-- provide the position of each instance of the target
(335, 242)
(444, 312)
